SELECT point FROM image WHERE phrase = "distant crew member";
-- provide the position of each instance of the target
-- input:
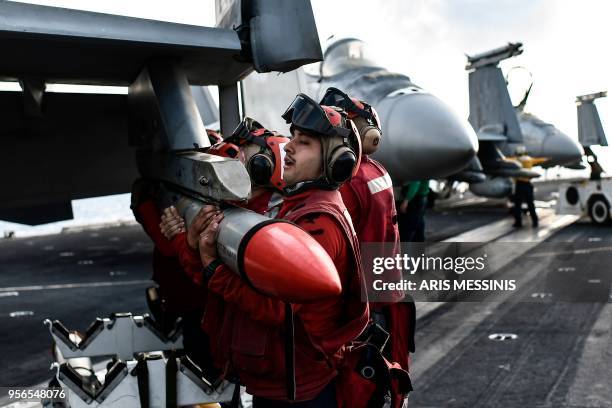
(412, 209)
(290, 352)
(523, 188)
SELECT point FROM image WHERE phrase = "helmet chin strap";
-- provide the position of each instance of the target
(320, 183)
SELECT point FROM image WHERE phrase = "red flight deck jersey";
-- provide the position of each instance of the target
(368, 196)
(251, 339)
(369, 199)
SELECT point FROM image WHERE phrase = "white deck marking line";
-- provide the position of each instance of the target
(74, 285)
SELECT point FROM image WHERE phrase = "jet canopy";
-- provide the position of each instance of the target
(346, 54)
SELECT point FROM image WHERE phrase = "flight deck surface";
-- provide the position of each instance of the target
(558, 358)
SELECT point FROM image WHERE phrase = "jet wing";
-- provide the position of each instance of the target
(73, 46)
(58, 147)
(78, 149)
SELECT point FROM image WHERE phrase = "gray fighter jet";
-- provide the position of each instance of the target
(422, 137)
(501, 128)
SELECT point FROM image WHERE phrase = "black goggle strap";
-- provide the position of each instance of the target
(363, 113)
(335, 97)
(343, 132)
(242, 135)
(258, 140)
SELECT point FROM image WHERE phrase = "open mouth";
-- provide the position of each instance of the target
(289, 162)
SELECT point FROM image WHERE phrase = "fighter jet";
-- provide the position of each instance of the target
(422, 137)
(502, 127)
(543, 139)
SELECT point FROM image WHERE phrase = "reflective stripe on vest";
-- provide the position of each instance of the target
(380, 184)
(348, 217)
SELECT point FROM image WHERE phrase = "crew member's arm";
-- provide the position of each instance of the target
(147, 215)
(411, 191)
(259, 307)
(184, 243)
(189, 259)
(228, 285)
(325, 230)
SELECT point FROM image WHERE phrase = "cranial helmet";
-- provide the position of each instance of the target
(340, 142)
(263, 152)
(364, 115)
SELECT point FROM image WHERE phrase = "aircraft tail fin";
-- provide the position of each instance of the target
(590, 131)
(490, 103)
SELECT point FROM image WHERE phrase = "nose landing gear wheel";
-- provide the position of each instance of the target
(599, 211)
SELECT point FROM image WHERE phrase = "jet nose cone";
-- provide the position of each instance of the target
(561, 149)
(423, 138)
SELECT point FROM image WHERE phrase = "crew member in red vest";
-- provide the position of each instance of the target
(176, 296)
(285, 353)
(261, 151)
(369, 198)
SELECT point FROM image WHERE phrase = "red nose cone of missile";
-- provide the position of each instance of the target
(300, 270)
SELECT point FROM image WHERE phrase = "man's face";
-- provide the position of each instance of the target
(303, 161)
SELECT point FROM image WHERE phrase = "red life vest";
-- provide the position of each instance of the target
(256, 352)
(369, 197)
(374, 214)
